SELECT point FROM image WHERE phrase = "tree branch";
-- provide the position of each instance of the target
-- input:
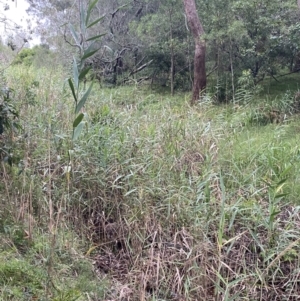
(140, 68)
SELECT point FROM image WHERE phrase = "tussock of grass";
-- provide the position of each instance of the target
(167, 201)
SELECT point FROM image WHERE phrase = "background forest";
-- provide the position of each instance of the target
(114, 187)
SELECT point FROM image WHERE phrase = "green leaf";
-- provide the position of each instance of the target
(84, 72)
(95, 22)
(89, 52)
(280, 185)
(281, 182)
(74, 34)
(72, 89)
(89, 10)
(82, 19)
(77, 131)
(277, 196)
(75, 74)
(78, 119)
(286, 171)
(273, 215)
(83, 99)
(96, 37)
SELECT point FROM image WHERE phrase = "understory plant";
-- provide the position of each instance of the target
(87, 47)
(9, 122)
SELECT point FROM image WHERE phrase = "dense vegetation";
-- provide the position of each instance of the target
(133, 194)
(149, 40)
(164, 200)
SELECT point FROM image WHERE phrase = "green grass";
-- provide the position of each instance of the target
(168, 201)
(36, 268)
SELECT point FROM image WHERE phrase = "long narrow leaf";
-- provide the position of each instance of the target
(286, 171)
(95, 22)
(72, 89)
(280, 185)
(107, 47)
(78, 119)
(281, 182)
(89, 49)
(96, 37)
(82, 19)
(77, 131)
(74, 34)
(84, 72)
(89, 52)
(278, 196)
(84, 98)
(75, 74)
(89, 10)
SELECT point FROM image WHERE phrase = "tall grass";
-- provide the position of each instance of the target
(167, 202)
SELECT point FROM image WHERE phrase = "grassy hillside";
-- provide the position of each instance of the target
(156, 200)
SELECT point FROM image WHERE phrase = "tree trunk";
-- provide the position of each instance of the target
(195, 25)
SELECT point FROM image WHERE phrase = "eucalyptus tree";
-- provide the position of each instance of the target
(197, 31)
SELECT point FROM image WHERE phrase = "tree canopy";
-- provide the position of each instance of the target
(149, 40)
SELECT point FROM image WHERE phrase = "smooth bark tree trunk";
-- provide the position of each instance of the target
(196, 28)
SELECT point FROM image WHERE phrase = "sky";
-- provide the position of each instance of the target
(16, 13)
(17, 10)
